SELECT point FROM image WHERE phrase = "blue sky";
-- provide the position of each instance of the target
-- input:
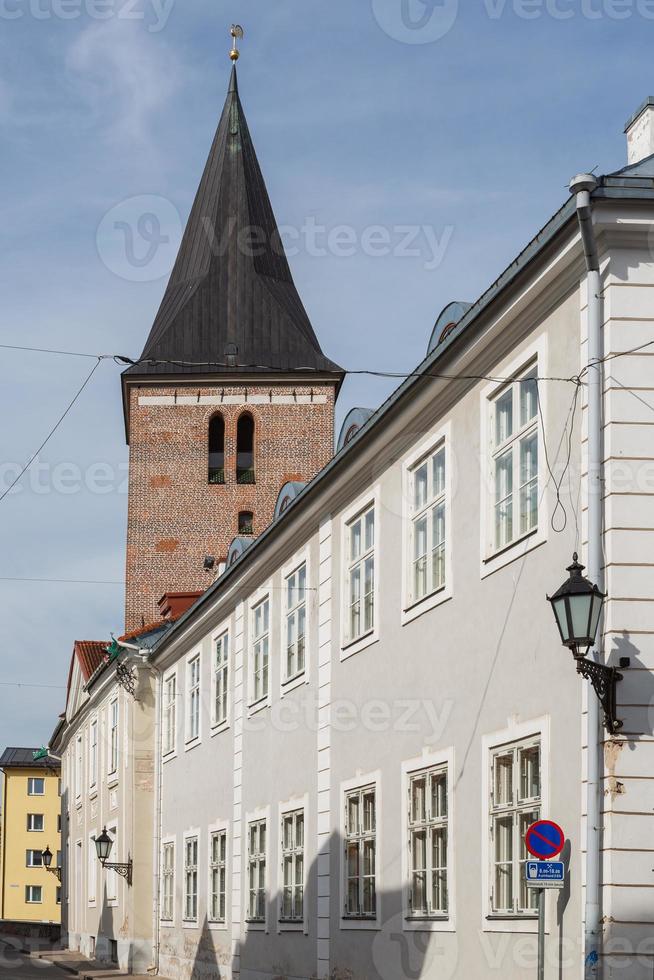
(464, 121)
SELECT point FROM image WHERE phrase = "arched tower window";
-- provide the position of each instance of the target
(245, 449)
(217, 449)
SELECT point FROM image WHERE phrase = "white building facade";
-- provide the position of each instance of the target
(363, 715)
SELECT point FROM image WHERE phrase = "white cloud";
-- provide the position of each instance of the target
(125, 74)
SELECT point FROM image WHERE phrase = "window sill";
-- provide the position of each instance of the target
(217, 926)
(169, 756)
(291, 683)
(190, 924)
(218, 729)
(192, 744)
(428, 602)
(291, 925)
(360, 922)
(258, 706)
(112, 780)
(428, 923)
(512, 552)
(356, 646)
(93, 793)
(256, 925)
(496, 922)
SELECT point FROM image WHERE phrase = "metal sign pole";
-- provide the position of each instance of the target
(541, 934)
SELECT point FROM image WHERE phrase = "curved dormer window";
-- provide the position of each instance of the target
(245, 449)
(216, 449)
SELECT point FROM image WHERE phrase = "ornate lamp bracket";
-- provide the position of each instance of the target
(604, 680)
(122, 869)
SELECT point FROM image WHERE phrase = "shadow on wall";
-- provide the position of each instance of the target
(640, 695)
(387, 953)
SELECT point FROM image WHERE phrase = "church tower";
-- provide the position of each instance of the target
(232, 397)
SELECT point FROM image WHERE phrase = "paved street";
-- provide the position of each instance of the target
(16, 966)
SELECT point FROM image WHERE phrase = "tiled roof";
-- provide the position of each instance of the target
(90, 654)
(17, 758)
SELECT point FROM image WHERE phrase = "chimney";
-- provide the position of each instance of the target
(640, 132)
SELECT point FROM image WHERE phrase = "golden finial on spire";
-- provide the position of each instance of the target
(237, 32)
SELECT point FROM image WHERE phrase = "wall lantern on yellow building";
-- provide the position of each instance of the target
(47, 863)
(103, 845)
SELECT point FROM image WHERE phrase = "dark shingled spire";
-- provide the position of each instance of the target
(231, 286)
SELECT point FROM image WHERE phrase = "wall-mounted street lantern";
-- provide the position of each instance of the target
(103, 845)
(46, 857)
(577, 608)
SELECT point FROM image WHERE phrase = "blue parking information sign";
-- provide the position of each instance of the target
(545, 874)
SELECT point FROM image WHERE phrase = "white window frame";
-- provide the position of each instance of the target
(294, 805)
(168, 842)
(256, 925)
(442, 759)
(112, 879)
(351, 646)
(35, 830)
(223, 672)
(220, 827)
(533, 355)
(190, 835)
(289, 683)
(191, 691)
(263, 594)
(93, 754)
(31, 780)
(29, 890)
(411, 607)
(515, 732)
(92, 863)
(363, 781)
(170, 715)
(29, 857)
(113, 735)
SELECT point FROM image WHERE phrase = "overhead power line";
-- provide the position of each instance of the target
(65, 581)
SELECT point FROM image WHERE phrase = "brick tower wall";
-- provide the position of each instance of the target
(175, 517)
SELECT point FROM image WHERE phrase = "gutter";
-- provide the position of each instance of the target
(582, 187)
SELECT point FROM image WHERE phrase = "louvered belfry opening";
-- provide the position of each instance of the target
(217, 449)
(245, 449)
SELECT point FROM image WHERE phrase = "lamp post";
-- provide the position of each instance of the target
(46, 857)
(577, 607)
(103, 845)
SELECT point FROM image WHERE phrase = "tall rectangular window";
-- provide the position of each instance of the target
(428, 503)
(260, 649)
(218, 876)
(257, 871)
(34, 859)
(292, 909)
(35, 786)
(92, 868)
(193, 698)
(514, 462)
(428, 812)
(296, 622)
(168, 881)
(33, 894)
(113, 736)
(93, 754)
(360, 595)
(169, 714)
(78, 767)
(515, 803)
(35, 821)
(191, 879)
(361, 853)
(220, 679)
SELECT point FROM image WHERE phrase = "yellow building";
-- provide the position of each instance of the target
(31, 821)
